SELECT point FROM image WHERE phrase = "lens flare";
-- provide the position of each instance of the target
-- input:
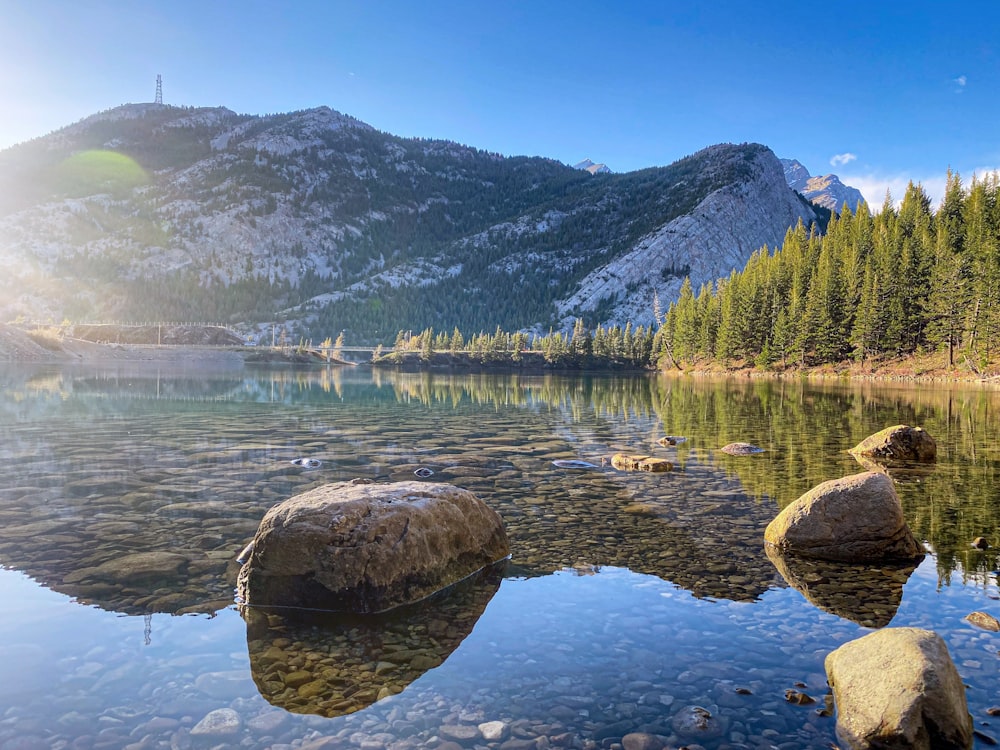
(99, 171)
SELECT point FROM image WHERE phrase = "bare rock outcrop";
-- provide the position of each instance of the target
(853, 518)
(370, 547)
(898, 687)
(717, 236)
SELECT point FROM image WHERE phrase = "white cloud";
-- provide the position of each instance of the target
(873, 187)
(839, 160)
(960, 83)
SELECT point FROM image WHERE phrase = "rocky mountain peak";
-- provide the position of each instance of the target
(824, 190)
(588, 166)
(796, 175)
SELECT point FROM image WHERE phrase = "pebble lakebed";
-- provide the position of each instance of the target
(631, 603)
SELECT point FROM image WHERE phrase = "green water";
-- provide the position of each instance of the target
(629, 598)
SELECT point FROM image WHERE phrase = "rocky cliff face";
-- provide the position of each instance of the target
(824, 190)
(155, 213)
(719, 235)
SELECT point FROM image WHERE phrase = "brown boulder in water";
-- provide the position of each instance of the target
(853, 518)
(369, 548)
(624, 462)
(898, 443)
(898, 688)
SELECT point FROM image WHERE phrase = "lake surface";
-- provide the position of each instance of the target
(629, 599)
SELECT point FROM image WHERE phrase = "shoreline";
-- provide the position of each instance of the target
(17, 346)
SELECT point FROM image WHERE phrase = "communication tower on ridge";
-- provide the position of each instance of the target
(159, 89)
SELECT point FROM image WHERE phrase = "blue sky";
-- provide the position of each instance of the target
(896, 90)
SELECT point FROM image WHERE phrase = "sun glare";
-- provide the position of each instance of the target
(99, 171)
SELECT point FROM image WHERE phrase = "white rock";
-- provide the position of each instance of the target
(222, 722)
(493, 731)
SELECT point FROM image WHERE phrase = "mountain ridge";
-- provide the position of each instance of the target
(825, 190)
(152, 211)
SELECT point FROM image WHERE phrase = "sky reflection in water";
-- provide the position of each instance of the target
(627, 598)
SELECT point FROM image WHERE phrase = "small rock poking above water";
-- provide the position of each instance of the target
(670, 440)
(624, 462)
(984, 621)
(573, 463)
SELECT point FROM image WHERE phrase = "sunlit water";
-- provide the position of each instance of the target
(628, 599)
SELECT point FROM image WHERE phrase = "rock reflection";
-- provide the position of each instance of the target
(901, 471)
(334, 664)
(863, 593)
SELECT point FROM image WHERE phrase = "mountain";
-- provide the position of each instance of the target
(158, 213)
(588, 166)
(826, 190)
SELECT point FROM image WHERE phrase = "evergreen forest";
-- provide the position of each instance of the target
(905, 281)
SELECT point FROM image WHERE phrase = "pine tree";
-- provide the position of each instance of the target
(729, 340)
(685, 323)
(949, 276)
(581, 345)
(864, 333)
(915, 245)
(983, 246)
(426, 339)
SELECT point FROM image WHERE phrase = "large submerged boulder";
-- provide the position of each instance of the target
(898, 687)
(900, 443)
(854, 518)
(370, 547)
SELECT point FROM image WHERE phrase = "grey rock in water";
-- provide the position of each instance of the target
(853, 518)
(741, 449)
(494, 731)
(222, 722)
(898, 687)
(697, 722)
(369, 548)
(642, 741)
